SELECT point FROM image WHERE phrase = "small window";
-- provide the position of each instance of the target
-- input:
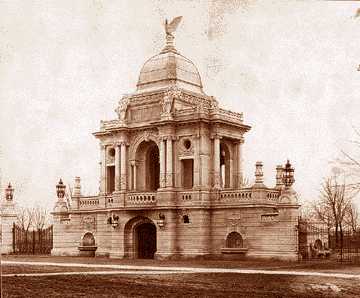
(186, 219)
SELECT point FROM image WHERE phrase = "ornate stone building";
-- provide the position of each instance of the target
(172, 179)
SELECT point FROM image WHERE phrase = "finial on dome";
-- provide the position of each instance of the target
(170, 28)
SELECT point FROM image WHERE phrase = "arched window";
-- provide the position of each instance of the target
(88, 240)
(234, 240)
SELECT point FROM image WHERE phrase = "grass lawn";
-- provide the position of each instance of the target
(180, 285)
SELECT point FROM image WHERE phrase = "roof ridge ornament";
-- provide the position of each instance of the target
(170, 28)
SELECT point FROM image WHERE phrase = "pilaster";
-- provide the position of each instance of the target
(169, 163)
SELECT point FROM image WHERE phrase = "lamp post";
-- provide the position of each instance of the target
(288, 175)
(9, 192)
(60, 189)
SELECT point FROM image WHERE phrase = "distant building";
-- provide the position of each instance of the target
(171, 181)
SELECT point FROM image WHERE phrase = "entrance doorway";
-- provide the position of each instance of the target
(145, 240)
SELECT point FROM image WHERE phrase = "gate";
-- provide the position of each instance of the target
(317, 241)
(32, 242)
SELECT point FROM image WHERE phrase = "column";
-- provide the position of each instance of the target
(123, 166)
(162, 164)
(102, 169)
(134, 177)
(240, 163)
(169, 163)
(216, 162)
(117, 167)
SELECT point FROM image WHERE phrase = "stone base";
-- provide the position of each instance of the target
(87, 251)
(6, 249)
(282, 256)
(65, 252)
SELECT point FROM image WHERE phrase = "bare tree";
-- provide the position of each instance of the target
(24, 218)
(352, 217)
(332, 206)
(350, 161)
(40, 218)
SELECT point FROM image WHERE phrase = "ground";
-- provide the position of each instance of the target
(101, 277)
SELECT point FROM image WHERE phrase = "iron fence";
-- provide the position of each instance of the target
(317, 242)
(32, 242)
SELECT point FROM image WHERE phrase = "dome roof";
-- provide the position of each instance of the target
(169, 68)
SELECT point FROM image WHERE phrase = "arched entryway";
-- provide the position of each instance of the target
(147, 167)
(145, 240)
(140, 238)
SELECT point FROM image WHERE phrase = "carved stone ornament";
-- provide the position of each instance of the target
(183, 149)
(167, 102)
(233, 220)
(88, 222)
(214, 105)
(162, 180)
(122, 107)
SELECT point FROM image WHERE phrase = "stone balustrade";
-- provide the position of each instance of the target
(188, 196)
(91, 202)
(239, 195)
(273, 195)
(238, 117)
(109, 124)
(141, 199)
(247, 195)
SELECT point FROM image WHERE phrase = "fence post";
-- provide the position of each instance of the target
(13, 237)
(33, 242)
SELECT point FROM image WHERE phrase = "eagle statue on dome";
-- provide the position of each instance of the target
(171, 27)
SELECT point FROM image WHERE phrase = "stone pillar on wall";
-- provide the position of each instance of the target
(102, 169)
(216, 162)
(162, 164)
(117, 167)
(240, 174)
(8, 217)
(196, 162)
(279, 177)
(123, 177)
(169, 163)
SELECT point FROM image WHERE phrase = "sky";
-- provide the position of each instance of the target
(289, 66)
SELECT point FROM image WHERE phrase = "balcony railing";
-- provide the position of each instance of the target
(141, 199)
(240, 195)
(247, 195)
(91, 202)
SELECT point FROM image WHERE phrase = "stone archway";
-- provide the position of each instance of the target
(145, 245)
(140, 238)
(147, 166)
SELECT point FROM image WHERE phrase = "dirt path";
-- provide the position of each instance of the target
(134, 269)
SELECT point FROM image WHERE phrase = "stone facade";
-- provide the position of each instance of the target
(171, 179)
